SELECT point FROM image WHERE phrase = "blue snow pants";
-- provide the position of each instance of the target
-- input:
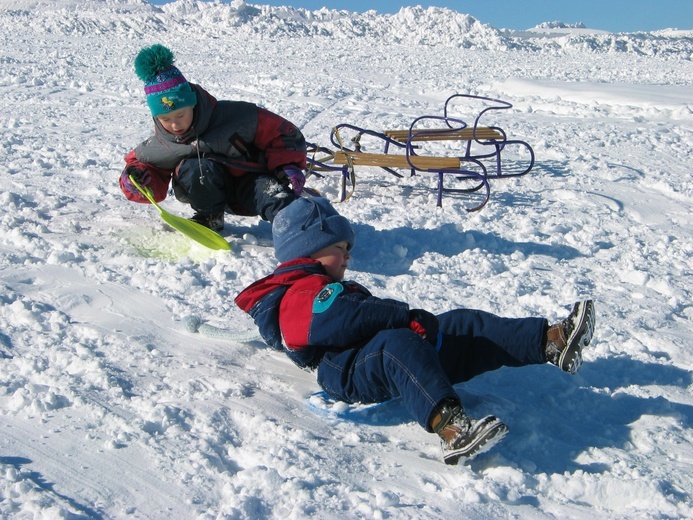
(398, 362)
(209, 188)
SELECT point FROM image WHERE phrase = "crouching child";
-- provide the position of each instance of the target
(219, 156)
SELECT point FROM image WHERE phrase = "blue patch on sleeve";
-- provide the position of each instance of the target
(325, 297)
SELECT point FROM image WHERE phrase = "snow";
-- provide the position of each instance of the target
(111, 406)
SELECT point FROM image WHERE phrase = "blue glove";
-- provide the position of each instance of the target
(296, 177)
(143, 178)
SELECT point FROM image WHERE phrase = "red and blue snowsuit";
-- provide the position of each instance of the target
(240, 149)
(363, 348)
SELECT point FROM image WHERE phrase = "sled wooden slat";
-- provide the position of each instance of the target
(444, 134)
(396, 161)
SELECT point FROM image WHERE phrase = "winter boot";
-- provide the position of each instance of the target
(460, 436)
(565, 340)
(213, 221)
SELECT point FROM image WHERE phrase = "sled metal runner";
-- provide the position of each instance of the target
(478, 157)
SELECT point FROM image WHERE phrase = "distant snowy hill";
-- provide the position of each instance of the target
(411, 25)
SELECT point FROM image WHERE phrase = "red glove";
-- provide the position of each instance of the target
(424, 324)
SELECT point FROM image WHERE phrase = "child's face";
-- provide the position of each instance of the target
(334, 258)
(177, 122)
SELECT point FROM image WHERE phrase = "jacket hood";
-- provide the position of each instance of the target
(284, 276)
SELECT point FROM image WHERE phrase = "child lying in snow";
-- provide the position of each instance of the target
(368, 349)
(222, 155)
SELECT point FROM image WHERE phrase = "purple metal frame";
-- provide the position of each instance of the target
(498, 146)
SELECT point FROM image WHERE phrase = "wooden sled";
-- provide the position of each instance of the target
(478, 159)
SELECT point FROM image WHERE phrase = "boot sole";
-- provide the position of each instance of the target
(571, 358)
(495, 432)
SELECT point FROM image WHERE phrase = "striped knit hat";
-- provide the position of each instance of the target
(165, 86)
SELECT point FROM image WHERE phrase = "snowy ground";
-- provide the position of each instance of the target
(109, 408)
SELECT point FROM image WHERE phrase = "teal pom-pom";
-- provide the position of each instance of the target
(152, 60)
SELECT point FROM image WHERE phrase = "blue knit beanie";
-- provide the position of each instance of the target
(165, 86)
(307, 225)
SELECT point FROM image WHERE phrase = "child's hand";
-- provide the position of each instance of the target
(143, 178)
(424, 324)
(296, 177)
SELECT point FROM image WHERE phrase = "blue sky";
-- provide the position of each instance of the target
(608, 15)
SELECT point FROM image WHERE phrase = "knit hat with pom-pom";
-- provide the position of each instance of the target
(166, 88)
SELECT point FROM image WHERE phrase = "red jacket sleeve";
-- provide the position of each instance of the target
(282, 142)
(160, 180)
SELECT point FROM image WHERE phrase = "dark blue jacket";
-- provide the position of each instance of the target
(305, 312)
